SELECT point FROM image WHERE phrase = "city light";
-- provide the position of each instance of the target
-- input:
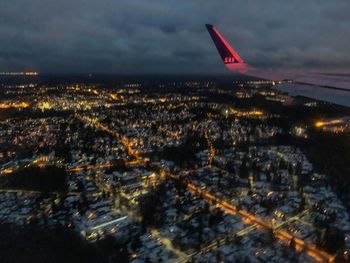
(19, 73)
(178, 156)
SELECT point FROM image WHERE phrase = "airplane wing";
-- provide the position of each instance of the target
(333, 88)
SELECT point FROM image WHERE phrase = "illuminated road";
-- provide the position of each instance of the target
(311, 250)
(296, 217)
(125, 141)
(222, 241)
(211, 148)
(246, 230)
(40, 161)
(7, 171)
(320, 124)
(318, 255)
(89, 167)
(181, 256)
(112, 222)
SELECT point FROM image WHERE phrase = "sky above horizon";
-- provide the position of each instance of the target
(169, 36)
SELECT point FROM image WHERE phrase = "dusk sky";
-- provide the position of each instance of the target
(169, 36)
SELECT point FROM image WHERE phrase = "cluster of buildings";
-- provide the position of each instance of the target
(121, 182)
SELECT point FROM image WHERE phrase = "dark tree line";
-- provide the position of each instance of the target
(47, 179)
(186, 152)
(34, 244)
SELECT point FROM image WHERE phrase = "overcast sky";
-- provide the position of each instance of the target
(169, 36)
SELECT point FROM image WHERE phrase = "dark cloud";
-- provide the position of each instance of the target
(187, 54)
(168, 36)
(170, 29)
